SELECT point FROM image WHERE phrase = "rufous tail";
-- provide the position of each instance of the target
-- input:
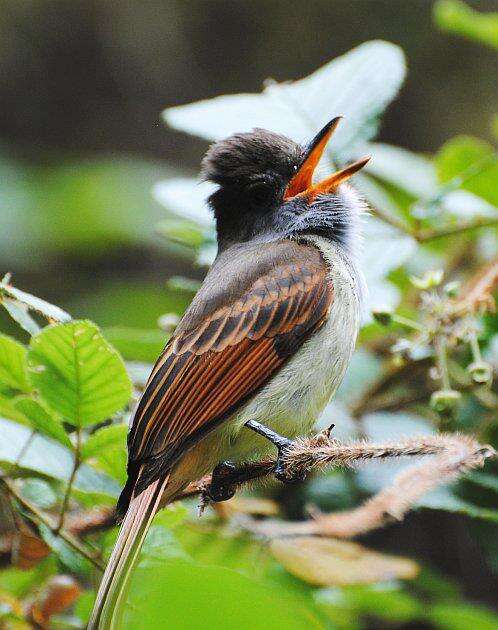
(114, 582)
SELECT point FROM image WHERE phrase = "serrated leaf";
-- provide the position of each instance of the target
(42, 419)
(359, 84)
(46, 457)
(78, 373)
(8, 410)
(13, 365)
(51, 312)
(330, 562)
(110, 437)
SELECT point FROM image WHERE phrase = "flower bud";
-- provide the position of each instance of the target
(445, 401)
(481, 372)
(429, 280)
(383, 316)
(452, 289)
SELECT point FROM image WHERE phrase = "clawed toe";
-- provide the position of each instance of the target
(222, 487)
(282, 473)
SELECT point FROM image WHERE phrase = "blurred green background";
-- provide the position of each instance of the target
(82, 85)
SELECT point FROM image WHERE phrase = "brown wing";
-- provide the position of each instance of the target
(210, 369)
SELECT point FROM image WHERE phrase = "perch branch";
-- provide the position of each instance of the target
(454, 455)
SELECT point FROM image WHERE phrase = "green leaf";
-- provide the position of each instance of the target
(48, 458)
(456, 17)
(88, 206)
(42, 419)
(409, 171)
(444, 499)
(186, 198)
(78, 373)
(472, 160)
(20, 313)
(137, 344)
(202, 596)
(39, 493)
(360, 84)
(51, 312)
(13, 366)
(19, 582)
(381, 601)
(485, 480)
(110, 437)
(462, 617)
(70, 558)
(8, 410)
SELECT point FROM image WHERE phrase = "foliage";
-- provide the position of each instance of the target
(426, 360)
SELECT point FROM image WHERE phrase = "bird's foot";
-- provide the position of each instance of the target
(282, 471)
(222, 486)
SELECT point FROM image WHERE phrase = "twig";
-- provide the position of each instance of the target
(422, 236)
(41, 517)
(454, 455)
(478, 293)
(25, 447)
(393, 220)
(67, 494)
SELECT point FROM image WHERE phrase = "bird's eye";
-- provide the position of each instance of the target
(260, 192)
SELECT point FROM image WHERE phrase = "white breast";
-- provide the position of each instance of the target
(296, 396)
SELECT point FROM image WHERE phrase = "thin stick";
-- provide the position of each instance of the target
(67, 494)
(44, 518)
(431, 234)
(454, 455)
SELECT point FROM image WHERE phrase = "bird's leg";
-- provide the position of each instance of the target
(222, 486)
(226, 477)
(282, 443)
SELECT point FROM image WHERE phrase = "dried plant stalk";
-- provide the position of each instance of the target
(477, 296)
(454, 455)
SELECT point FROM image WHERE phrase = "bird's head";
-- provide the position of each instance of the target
(265, 187)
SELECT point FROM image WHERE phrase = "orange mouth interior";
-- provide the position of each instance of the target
(302, 182)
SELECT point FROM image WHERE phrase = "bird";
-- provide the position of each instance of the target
(265, 342)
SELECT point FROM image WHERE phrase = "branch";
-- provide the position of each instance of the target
(393, 220)
(41, 517)
(69, 487)
(423, 236)
(454, 455)
(478, 294)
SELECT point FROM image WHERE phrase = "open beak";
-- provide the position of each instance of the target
(302, 182)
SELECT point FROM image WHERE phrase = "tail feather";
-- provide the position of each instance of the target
(124, 555)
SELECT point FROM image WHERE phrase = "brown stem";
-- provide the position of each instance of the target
(69, 487)
(454, 454)
(431, 234)
(41, 517)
